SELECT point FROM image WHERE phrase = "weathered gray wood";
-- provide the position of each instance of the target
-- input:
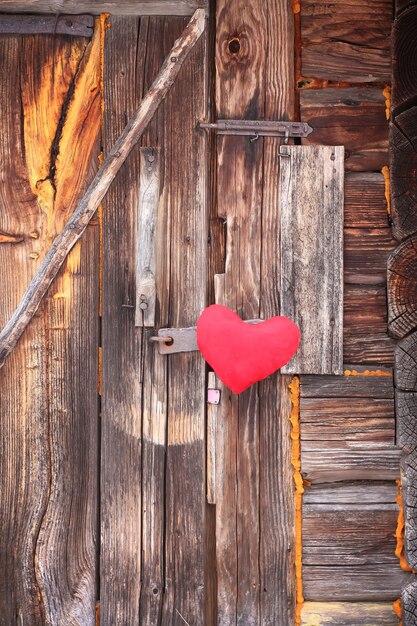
(147, 216)
(360, 492)
(211, 442)
(409, 604)
(355, 534)
(99, 186)
(406, 363)
(361, 386)
(114, 7)
(311, 290)
(348, 614)
(402, 289)
(323, 466)
(354, 582)
(77, 25)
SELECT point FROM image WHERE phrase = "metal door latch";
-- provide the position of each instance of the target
(259, 128)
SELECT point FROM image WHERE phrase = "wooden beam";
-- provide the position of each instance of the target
(77, 25)
(86, 208)
(402, 289)
(361, 463)
(348, 614)
(114, 7)
(311, 253)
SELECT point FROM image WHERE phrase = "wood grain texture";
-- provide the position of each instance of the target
(365, 336)
(114, 7)
(402, 289)
(366, 255)
(347, 387)
(311, 289)
(77, 25)
(254, 501)
(355, 534)
(87, 206)
(50, 100)
(357, 583)
(408, 604)
(153, 433)
(356, 492)
(346, 41)
(406, 363)
(147, 218)
(364, 463)
(352, 117)
(365, 201)
(348, 614)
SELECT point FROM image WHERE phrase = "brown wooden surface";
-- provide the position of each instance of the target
(346, 41)
(50, 103)
(361, 463)
(408, 601)
(356, 492)
(311, 254)
(348, 614)
(254, 499)
(347, 386)
(406, 363)
(402, 289)
(115, 7)
(351, 117)
(366, 255)
(77, 25)
(365, 201)
(364, 583)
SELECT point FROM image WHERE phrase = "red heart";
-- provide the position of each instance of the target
(241, 353)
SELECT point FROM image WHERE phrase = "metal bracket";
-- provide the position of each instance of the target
(258, 128)
(172, 340)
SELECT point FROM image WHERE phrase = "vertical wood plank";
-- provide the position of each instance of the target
(254, 80)
(149, 191)
(311, 210)
(50, 98)
(121, 427)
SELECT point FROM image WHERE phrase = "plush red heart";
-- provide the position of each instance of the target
(241, 354)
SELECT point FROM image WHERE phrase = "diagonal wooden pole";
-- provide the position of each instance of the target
(98, 188)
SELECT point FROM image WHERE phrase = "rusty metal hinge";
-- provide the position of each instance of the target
(258, 128)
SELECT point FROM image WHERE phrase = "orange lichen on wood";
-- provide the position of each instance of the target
(399, 533)
(385, 173)
(387, 95)
(397, 608)
(294, 387)
(366, 373)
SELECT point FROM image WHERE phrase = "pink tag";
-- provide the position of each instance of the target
(213, 396)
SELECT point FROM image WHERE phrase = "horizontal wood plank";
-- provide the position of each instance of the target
(366, 253)
(355, 492)
(347, 386)
(360, 582)
(114, 7)
(323, 466)
(365, 336)
(357, 534)
(348, 614)
(77, 25)
(352, 117)
(346, 41)
(311, 210)
(365, 201)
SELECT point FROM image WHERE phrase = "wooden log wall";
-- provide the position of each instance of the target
(402, 297)
(348, 427)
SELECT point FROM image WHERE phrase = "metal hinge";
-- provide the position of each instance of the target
(258, 128)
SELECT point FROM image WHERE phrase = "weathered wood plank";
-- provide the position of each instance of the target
(147, 217)
(365, 201)
(402, 289)
(48, 402)
(360, 492)
(365, 337)
(346, 41)
(77, 25)
(354, 583)
(114, 7)
(355, 534)
(347, 386)
(254, 501)
(352, 117)
(348, 614)
(320, 466)
(366, 252)
(311, 289)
